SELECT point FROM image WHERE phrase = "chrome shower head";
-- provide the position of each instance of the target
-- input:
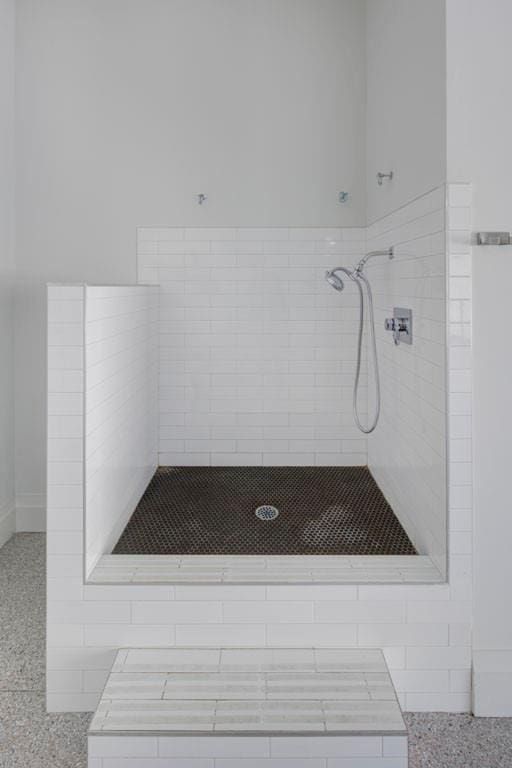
(334, 280)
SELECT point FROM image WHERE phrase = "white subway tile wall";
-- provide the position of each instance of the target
(254, 751)
(426, 634)
(257, 352)
(121, 415)
(407, 453)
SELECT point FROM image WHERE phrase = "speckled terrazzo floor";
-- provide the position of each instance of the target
(22, 613)
(29, 738)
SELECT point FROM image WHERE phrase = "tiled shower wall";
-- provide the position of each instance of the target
(257, 352)
(102, 368)
(407, 452)
(121, 419)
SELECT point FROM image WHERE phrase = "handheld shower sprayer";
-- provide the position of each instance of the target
(359, 278)
(334, 279)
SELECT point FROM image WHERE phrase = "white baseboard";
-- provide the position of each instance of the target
(7, 521)
(30, 513)
(492, 683)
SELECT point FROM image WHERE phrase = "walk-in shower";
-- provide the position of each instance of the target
(230, 460)
(278, 510)
(359, 278)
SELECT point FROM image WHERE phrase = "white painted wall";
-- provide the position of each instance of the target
(120, 404)
(7, 28)
(405, 125)
(479, 130)
(128, 109)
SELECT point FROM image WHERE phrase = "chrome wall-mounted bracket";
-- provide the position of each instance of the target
(382, 176)
(400, 325)
(493, 238)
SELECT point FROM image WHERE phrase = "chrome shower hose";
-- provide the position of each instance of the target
(358, 278)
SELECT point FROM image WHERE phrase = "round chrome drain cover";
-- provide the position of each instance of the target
(266, 512)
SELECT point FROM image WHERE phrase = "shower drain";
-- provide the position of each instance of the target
(266, 512)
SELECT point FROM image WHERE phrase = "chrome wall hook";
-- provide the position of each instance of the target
(493, 238)
(382, 176)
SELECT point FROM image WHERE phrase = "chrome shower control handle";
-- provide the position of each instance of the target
(390, 324)
(400, 325)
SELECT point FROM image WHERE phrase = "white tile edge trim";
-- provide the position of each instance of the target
(238, 570)
(460, 495)
(31, 515)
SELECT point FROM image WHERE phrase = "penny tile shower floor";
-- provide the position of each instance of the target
(212, 510)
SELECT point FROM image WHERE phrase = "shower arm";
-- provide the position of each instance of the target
(389, 252)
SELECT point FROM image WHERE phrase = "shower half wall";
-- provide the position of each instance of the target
(103, 383)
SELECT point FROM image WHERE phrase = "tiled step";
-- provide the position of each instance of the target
(259, 707)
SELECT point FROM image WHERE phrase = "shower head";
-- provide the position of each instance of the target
(334, 280)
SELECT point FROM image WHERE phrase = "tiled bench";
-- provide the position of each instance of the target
(254, 707)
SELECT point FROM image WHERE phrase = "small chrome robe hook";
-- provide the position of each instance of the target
(382, 176)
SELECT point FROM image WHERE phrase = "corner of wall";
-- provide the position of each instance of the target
(7, 240)
(491, 683)
(7, 521)
(30, 513)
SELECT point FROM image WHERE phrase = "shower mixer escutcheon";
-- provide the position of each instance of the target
(400, 325)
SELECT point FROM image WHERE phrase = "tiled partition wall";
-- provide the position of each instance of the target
(425, 630)
(121, 408)
(257, 352)
(219, 751)
(407, 452)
